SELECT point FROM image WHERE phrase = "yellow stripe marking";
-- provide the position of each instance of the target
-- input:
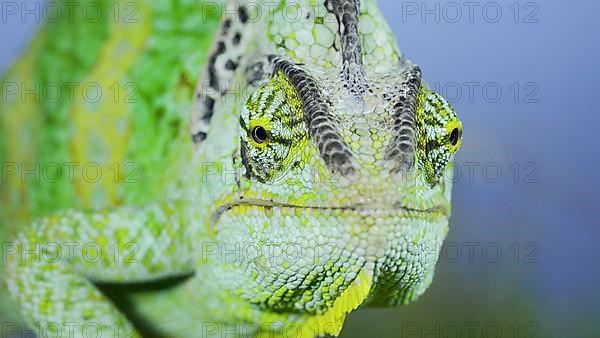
(100, 132)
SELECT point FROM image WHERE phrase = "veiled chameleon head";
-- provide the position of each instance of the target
(357, 187)
(344, 196)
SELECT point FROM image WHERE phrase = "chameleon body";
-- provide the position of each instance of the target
(315, 180)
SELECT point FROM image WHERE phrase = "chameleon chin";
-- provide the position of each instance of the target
(316, 179)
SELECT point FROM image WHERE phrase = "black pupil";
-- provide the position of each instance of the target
(454, 136)
(259, 134)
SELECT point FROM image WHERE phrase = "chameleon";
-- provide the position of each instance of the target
(262, 170)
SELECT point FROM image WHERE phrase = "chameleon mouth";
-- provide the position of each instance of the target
(366, 209)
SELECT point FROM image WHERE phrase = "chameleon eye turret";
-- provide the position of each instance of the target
(272, 129)
(439, 135)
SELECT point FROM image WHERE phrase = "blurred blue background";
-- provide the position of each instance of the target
(521, 259)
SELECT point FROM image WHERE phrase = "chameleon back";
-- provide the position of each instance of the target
(94, 112)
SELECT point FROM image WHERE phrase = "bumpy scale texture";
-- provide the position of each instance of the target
(306, 175)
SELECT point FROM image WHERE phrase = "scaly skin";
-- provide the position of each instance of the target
(316, 179)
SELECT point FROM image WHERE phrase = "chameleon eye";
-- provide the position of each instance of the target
(454, 136)
(272, 129)
(440, 136)
(259, 134)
